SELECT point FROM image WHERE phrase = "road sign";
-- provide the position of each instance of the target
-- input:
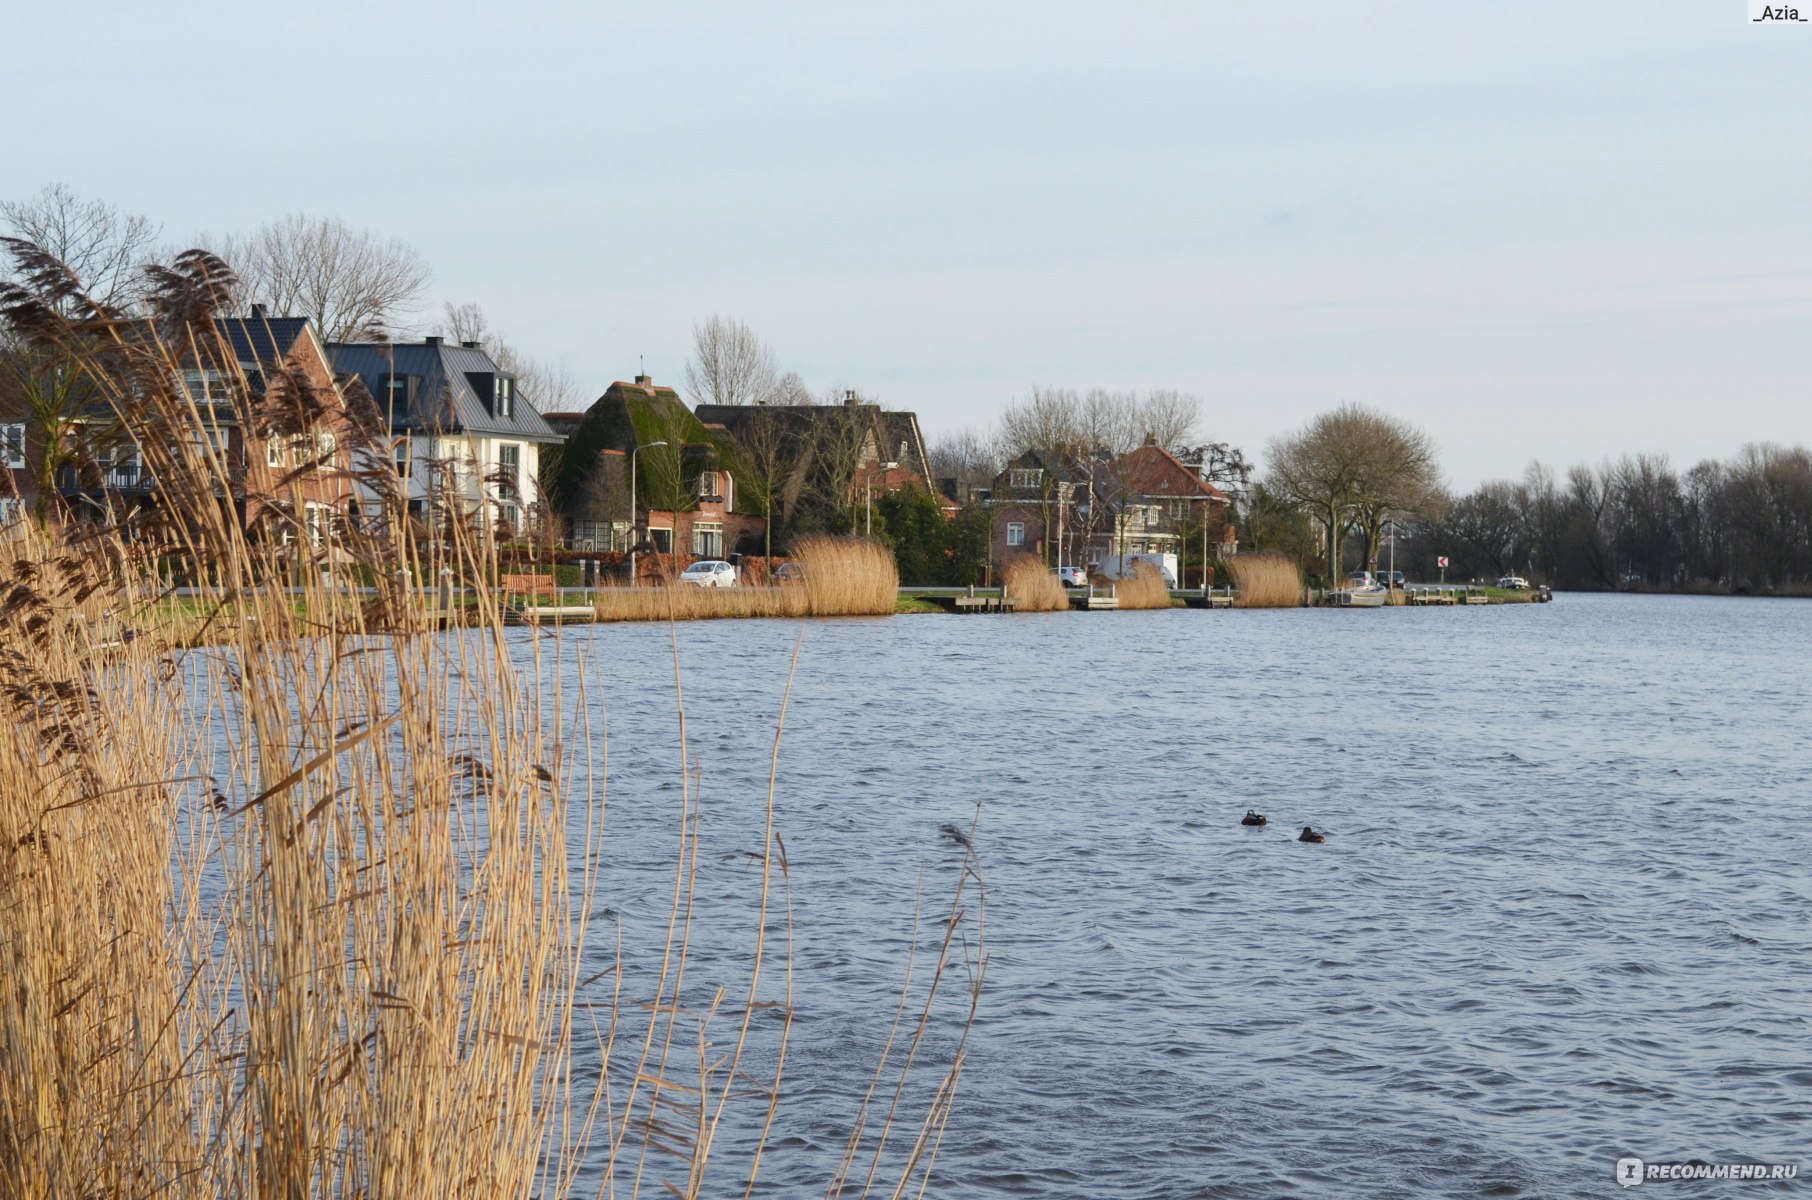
(1441, 561)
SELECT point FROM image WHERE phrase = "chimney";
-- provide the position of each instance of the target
(257, 312)
(472, 345)
(644, 380)
(849, 398)
(431, 341)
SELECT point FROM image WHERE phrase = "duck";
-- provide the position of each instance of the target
(1308, 834)
(1252, 818)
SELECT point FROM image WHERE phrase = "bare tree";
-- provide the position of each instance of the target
(730, 364)
(103, 255)
(1048, 419)
(966, 456)
(105, 249)
(1171, 417)
(790, 390)
(1356, 461)
(352, 282)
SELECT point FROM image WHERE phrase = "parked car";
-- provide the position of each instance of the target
(709, 572)
(1071, 576)
(1391, 578)
(1515, 583)
(789, 573)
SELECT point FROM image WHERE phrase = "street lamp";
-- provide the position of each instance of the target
(637, 450)
(868, 494)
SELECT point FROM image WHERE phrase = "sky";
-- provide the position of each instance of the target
(1554, 231)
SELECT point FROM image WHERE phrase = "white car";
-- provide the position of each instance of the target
(709, 572)
(1071, 577)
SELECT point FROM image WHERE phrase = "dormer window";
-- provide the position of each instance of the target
(206, 386)
(1025, 477)
(398, 391)
(503, 397)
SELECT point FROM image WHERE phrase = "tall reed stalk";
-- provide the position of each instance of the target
(302, 914)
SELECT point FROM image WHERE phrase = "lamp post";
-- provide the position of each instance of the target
(637, 450)
(868, 496)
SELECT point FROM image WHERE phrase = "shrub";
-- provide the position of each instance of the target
(1265, 579)
(1030, 585)
(1143, 588)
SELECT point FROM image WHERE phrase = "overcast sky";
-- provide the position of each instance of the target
(1539, 230)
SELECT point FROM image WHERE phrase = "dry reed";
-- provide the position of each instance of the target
(302, 914)
(1030, 585)
(1265, 579)
(840, 577)
(1143, 588)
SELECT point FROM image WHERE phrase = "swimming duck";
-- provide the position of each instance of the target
(1252, 818)
(1308, 834)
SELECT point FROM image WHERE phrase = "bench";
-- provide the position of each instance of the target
(526, 585)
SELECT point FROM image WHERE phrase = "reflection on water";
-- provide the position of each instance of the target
(1562, 914)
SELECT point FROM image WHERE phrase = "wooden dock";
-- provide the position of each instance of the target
(549, 614)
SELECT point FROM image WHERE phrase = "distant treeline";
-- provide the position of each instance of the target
(1742, 526)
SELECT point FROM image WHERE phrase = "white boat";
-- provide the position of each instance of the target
(1360, 591)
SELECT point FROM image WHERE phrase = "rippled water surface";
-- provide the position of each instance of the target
(1564, 913)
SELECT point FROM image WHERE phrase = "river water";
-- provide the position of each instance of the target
(1563, 915)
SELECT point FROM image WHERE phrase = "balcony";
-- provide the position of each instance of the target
(120, 477)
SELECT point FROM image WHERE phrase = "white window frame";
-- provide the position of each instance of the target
(512, 488)
(1016, 533)
(1025, 477)
(401, 454)
(708, 539)
(273, 451)
(207, 386)
(12, 445)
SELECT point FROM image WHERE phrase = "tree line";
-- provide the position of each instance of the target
(1739, 526)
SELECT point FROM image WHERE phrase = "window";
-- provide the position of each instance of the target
(208, 437)
(325, 445)
(206, 386)
(396, 391)
(401, 453)
(708, 541)
(1016, 533)
(509, 471)
(707, 483)
(273, 451)
(10, 510)
(503, 400)
(12, 445)
(1025, 477)
(662, 539)
(318, 519)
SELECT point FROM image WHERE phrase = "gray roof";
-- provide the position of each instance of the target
(444, 398)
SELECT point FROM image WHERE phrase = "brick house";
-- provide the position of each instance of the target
(249, 370)
(685, 495)
(1038, 506)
